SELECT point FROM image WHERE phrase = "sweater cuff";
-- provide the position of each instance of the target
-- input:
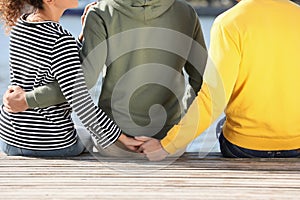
(168, 145)
(30, 99)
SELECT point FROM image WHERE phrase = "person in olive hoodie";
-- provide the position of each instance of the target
(144, 46)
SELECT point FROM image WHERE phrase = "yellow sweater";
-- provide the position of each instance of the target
(253, 75)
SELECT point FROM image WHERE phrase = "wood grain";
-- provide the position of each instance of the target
(189, 177)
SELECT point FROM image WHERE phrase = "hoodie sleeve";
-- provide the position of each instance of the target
(197, 57)
(45, 96)
(94, 49)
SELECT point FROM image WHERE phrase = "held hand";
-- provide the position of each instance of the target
(14, 99)
(87, 7)
(152, 149)
(131, 143)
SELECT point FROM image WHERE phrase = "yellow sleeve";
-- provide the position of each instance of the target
(188, 128)
(219, 79)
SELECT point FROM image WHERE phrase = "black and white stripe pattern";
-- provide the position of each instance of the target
(41, 53)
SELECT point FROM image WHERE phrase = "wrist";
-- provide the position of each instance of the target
(80, 37)
(122, 137)
(168, 146)
(25, 101)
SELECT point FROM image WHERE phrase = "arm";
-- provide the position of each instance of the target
(66, 69)
(93, 56)
(83, 16)
(16, 99)
(220, 76)
(45, 96)
(197, 58)
(94, 49)
(219, 79)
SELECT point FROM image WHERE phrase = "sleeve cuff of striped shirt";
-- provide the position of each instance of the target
(30, 99)
(79, 43)
(100, 139)
(112, 140)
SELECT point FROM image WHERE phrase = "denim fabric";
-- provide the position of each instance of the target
(11, 150)
(76, 149)
(230, 150)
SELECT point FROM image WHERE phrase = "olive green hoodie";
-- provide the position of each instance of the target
(145, 45)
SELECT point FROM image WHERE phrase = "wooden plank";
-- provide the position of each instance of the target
(190, 177)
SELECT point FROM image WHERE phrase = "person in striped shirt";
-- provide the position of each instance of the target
(42, 51)
(131, 44)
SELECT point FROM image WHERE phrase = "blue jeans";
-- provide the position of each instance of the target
(230, 150)
(84, 141)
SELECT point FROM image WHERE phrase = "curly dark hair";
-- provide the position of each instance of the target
(11, 10)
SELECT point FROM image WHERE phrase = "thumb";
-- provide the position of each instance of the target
(10, 88)
(13, 87)
(143, 138)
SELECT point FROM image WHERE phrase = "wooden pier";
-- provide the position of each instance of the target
(189, 177)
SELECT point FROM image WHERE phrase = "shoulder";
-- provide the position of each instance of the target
(237, 15)
(228, 25)
(62, 32)
(183, 4)
(185, 10)
(55, 29)
(61, 35)
(102, 9)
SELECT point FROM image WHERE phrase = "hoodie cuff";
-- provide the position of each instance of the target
(30, 99)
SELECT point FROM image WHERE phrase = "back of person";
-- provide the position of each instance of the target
(42, 52)
(144, 65)
(253, 74)
(263, 110)
(29, 129)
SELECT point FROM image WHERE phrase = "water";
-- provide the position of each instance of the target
(72, 23)
(4, 70)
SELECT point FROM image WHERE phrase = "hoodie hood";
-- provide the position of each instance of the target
(141, 9)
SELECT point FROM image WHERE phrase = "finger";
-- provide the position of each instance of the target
(6, 103)
(146, 147)
(9, 90)
(7, 106)
(132, 148)
(143, 138)
(94, 3)
(134, 142)
(140, 149)
(6, 98)
(14, 87)
(5, 109)
(88, 6)
(155, 156)
(147, 151)
(8, 110)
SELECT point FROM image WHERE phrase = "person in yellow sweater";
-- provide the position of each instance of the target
(253, 76)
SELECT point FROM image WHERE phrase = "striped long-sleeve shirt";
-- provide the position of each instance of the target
(40, 53)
